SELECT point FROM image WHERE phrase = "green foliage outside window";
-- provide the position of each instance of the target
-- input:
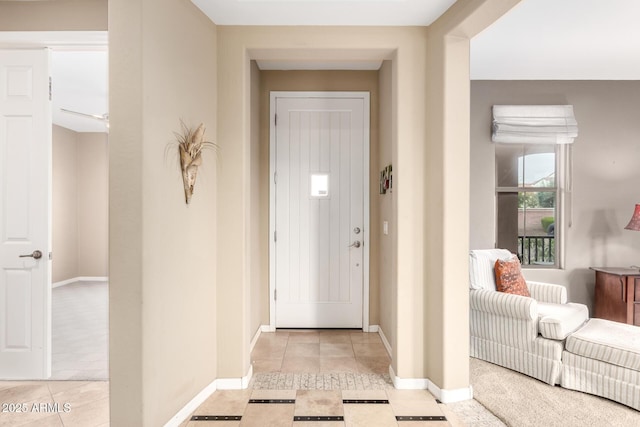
(542, 199)
(546, 222)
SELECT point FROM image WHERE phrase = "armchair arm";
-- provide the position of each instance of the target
(547, 292)
(502, 304)
(503, 318)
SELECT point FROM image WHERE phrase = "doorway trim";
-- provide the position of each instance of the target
(62, 40)
(272, 195)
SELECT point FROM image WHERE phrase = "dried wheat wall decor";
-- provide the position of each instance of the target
(190, 145)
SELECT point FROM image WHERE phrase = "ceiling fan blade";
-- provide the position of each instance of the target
(104, 117)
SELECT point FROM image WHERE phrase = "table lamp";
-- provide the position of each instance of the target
(634, 223)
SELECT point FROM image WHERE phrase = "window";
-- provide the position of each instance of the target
(320, 185)
(528, 202)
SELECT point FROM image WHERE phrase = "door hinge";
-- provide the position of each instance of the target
(275, 177)
(49, 88)
(50, 256)
(275, 236)
(275, 120)
(275, 295)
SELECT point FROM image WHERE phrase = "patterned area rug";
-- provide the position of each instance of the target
(320, 381)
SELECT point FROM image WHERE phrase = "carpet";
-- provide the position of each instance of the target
(519, 400)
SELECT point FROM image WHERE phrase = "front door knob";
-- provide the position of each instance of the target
(355, 244)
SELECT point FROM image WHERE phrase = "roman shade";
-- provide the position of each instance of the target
(534, 124)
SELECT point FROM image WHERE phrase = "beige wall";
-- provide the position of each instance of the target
(80, 205)
(163, 341)
(366, 81)
(259, 238)
(605, 174)
(59, 15)
(93, 205)
(386, 260)
(446, 295)
(65, 205)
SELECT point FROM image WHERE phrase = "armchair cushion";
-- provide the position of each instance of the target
(509, 277)
(557, 321)
(481, 267)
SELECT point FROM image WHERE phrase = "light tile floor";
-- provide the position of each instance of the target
(309, 354)
(366, 408)
(54, 403)
(314, 351)
(321, 354)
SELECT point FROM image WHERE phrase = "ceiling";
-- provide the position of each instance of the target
(323, 12)
(79, 83)
(561, 40)
(536, 40)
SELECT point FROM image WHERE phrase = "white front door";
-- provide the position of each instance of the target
(25, 169)
(321, 161)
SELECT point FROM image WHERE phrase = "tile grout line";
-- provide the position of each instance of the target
(54, 401)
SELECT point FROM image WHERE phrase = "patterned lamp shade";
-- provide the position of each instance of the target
(634, 224)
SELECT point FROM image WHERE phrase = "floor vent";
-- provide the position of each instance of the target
(287, 401)
(317, 418)
(216, 418)
(365, 401)
(421, 418)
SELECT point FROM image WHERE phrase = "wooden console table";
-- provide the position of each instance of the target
(617, 295)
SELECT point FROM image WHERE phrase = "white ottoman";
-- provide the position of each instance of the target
(603, 358)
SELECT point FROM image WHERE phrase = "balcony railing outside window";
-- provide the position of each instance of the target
(536, 250)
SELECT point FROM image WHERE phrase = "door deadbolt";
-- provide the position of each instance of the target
(35, 255)
(356, 230)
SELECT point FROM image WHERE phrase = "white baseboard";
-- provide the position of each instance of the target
(218, 384)
(255, 339)
(192, 405)
(261, 329)
(80, 279)
(373, 328)
(235, 383)
(385, 342)
(408, 383)
(444, 396)
(451, 396)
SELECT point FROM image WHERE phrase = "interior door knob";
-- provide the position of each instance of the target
(355, 244)
(35, 255)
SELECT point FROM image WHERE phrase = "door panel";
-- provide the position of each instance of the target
(25, 166)
(319, 202)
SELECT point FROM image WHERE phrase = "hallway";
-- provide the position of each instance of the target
(321, 378)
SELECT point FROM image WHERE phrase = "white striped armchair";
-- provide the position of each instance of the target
(520, 333)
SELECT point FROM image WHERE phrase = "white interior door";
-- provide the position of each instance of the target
(25, 170)
(321, 162)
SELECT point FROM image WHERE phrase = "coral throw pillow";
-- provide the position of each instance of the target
(509, 278)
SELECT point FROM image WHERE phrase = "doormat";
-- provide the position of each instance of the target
(320, 381)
